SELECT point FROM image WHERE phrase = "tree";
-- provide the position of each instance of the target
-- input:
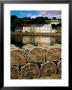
(54, 18)
(54, 26)
(18, 22)
(13, 22)
(39, 20)
(46, 18)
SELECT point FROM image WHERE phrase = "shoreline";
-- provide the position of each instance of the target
(36, 34)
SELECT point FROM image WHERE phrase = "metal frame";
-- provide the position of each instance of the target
(2, 32)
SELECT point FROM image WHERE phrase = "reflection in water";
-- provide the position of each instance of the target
(38, 39)
(35, 39)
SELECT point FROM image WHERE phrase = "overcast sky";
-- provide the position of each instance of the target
(36, 13)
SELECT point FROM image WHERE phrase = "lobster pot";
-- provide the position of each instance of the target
(13, 47)
(51, 77)
(48, 69)
(30, 71)
(18, 57)
(27, 48)
(14, 74)
(57, 45)
(53, 54)
(44, 45)
(59, 67)
(13, 61)
(37, 55)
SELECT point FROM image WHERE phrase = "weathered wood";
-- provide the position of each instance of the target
(44, 46)
(53, 54)
(48, 69)
(13, 61)
(27, 48)
(30, 71)
(18, 57)
(59, 68)
(26, 51)
(14, 74)
(37, 55)
(51, 77)
(56, 45)
(13, 47)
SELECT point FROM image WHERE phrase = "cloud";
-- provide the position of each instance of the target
(43, 12)
(34, 16)
(38, 13)
(50, 14)
(54, 12)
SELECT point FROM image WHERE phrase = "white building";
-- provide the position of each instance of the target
(37, 28)
(55, 21)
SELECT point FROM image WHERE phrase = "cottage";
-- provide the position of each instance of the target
(37, 28)
(40, 28)
(55, 21)
(18, 29)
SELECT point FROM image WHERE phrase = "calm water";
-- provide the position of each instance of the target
(21, 40)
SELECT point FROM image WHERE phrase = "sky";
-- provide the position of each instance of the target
(36, 13)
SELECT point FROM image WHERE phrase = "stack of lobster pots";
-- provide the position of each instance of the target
(36, 62)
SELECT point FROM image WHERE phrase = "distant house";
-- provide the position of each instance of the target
(55, 24)
(55, 21)
(59, 26)
(18, 29)
(37, 28)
